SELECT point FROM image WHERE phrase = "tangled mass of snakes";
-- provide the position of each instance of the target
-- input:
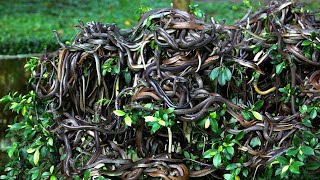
(152, 100)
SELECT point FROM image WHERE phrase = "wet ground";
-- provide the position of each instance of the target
(12, 78)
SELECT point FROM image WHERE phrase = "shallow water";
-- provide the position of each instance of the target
(12, 78)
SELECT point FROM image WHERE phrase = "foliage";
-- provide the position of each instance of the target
(230, 136)
(33, 152)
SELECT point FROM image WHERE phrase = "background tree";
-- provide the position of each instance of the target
(181, 4)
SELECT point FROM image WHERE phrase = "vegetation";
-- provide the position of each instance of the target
(196, 99)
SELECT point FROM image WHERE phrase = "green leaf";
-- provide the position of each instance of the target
(285, 169)
(31, 150)
(214, 125)
(255, 142)
(51, 169)
(53, 178)
(239, 136)
(86, 175)
(128, 120)
(213, 115)
(282, 160)
(227, 74)
(36, 157)
(45, 174)
(245, 115)
(3, 177)
(217, 160)
(230, 150)
(231, 167)
(50, 141)
(258, 105)
(221, 79)
(313, 166)
(119, 112)
(209, 153)
(155, 127)
(228, 176)
(17, 126)
(313, 36)
(127, 77)
(257, 115)
(161, 122)
(305, 43)
(169, 110)
(307, 150)
(294, 168)
(280, 67)
(150, 119)
(207, 123)
(165, 117)
(292, 152)
(313, 113)
(303, 109)
(186, 154)
(214, 73)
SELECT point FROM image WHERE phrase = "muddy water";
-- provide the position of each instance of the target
(12, 78)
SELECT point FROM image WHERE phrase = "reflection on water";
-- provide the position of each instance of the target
(12, 78)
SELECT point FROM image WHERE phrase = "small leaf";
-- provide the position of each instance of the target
(209, 153)
(214, 73)
(282, 160)
(86, 175)
(280, 67)
(51, 169)
(213, 115)
(155, 127)
(305, 43)
(255, 142)
(207, 123)
(258, 105)
(284, 169)
(50, 141)
(45, 174)
(313, 113)
(150, 119)
(227, 73)
(161, 122)
(30, 150)
(230, 150)
(165, 117)
(239, 136)
(36, 157)
(257, 115)
(53, 178)
(119, 112)
(245, 115)
(217, 160)
(231, 167)
(313, 36)
(221, 78)
(292, 152)
(307, 150)
(214, 125)
(228, 176)
(186, 154)
(294, 168)
(128, 120)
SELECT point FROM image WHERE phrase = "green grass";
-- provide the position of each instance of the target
(26, 26)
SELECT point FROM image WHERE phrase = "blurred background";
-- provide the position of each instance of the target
(26, 30)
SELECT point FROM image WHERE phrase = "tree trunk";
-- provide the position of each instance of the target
(181, 4)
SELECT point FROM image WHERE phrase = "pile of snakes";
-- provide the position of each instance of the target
(165, 62)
